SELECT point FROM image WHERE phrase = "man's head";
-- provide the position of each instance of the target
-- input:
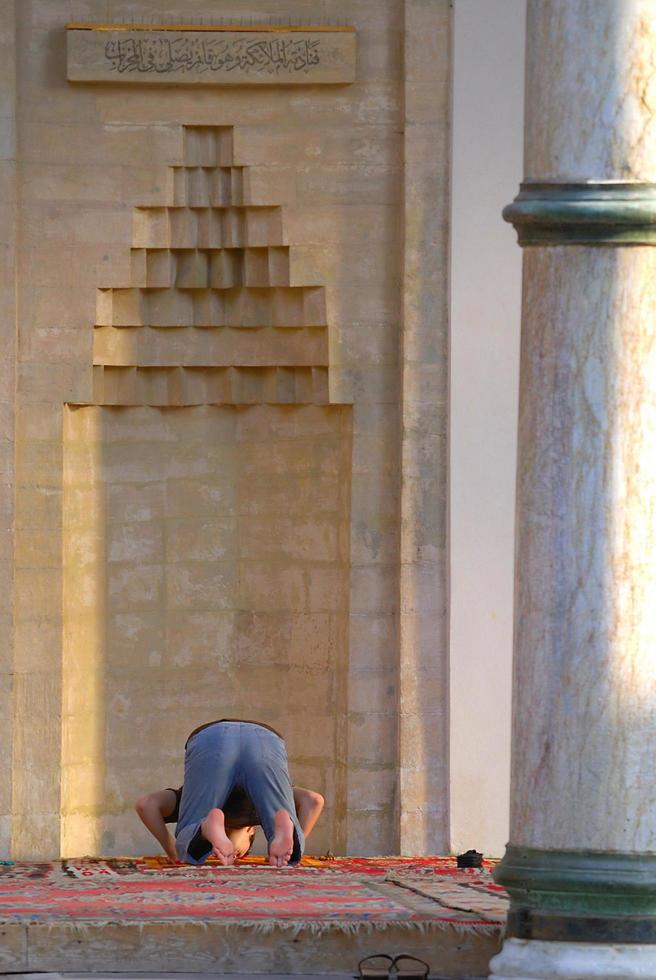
(242, 839)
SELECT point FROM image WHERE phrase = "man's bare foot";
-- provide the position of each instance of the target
(213, 830)
(282, 845)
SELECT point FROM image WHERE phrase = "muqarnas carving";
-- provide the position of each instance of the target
(210, 316)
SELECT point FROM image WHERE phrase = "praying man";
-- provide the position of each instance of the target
(236, 778)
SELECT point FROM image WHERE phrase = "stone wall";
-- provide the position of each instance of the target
(214, 392)
(8, 244)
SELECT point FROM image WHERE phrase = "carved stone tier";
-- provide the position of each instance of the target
(217, 346)
(213, 186)
(228, 226)
(210, 267)
(177, 386)
(178, 306)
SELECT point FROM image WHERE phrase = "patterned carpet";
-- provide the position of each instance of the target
(341, 892)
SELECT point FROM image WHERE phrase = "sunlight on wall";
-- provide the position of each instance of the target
(485, 285)
(84, 619)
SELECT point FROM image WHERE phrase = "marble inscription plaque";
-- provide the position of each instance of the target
(211, 56)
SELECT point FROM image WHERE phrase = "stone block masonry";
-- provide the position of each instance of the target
(205, 402)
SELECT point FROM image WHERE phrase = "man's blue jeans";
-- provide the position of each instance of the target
(226, 755)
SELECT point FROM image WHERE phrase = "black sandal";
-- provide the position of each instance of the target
(411, 968)
(378, 966)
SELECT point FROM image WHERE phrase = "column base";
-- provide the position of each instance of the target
(529, 959)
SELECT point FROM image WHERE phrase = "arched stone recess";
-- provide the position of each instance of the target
(206, 509)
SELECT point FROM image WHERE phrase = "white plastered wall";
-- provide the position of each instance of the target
(485, 311)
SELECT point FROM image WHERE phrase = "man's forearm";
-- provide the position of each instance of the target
(308, 809)
(152, 818)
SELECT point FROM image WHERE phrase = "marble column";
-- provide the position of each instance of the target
(581, 863)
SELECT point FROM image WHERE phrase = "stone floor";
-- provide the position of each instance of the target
(188, 976)
(196, 948)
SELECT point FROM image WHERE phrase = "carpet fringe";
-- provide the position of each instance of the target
(294, 926)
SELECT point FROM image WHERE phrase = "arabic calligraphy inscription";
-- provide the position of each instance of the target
(214, 57)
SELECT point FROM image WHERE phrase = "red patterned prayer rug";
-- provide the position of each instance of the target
(344, 893)
(379, 866)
